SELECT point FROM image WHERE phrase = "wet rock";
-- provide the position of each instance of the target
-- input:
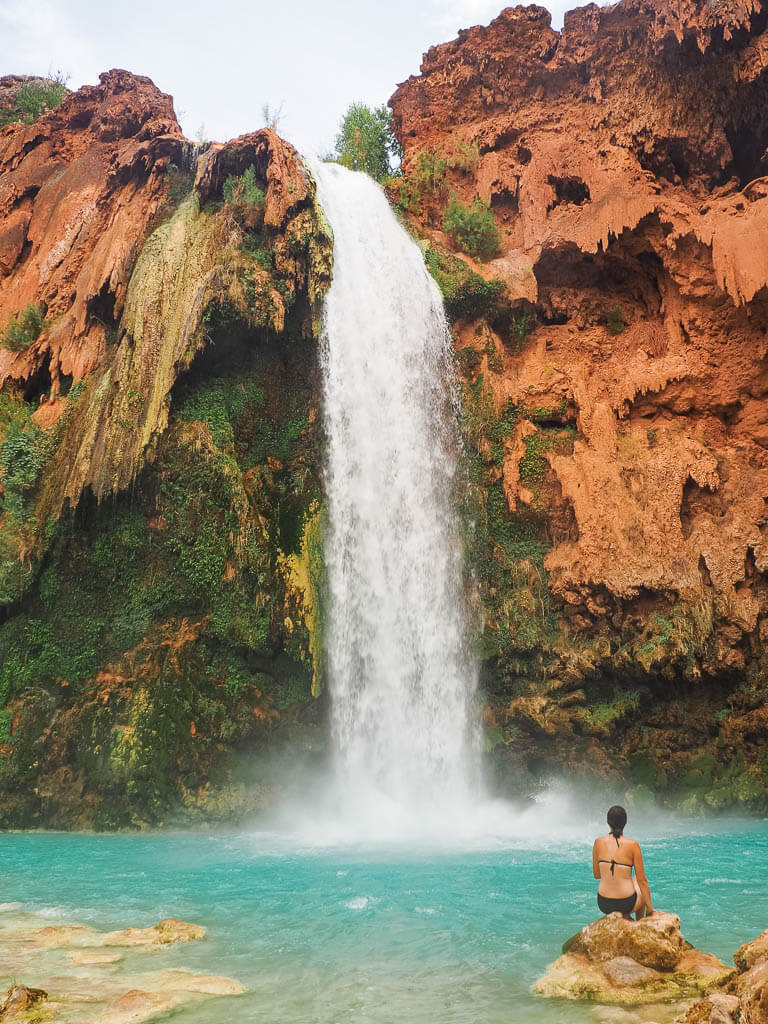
(136, 1006)
(744, 999)
(20, 998)
(614, 960)
(166, 931)
(61, 936)
(94, 959)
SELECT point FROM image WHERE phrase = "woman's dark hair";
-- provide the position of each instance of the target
(617, 819)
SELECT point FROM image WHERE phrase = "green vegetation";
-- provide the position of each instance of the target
(159, 621)
(472, 228)
(426, 180)
(243, 190)
(36, 98)
(614, 322)
(465, 293)
(366, 141)
(180, 183)
(505, 549)
(24, 328)
(466, 158)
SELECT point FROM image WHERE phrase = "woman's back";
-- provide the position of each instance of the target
(614, 858)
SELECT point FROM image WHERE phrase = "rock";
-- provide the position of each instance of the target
(623, 970)
(136, 1006)
(20, 998)
(94, 959)
(654, 942)
(582, 149)
(752, 988)
(61, 936)
(207, 984)
(614, 960)
(746, 956)
(166, 931)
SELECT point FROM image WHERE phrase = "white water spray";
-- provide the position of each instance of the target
(400, 676)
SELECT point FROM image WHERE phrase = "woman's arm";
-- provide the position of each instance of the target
(642, 880)
(595, 865)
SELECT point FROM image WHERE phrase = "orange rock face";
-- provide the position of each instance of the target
(625, 162)
(78, 191)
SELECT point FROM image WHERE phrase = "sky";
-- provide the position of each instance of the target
(223, 61)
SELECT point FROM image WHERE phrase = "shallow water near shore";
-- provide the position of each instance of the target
(379, 933)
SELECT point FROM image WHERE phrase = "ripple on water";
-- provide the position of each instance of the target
(373, 935)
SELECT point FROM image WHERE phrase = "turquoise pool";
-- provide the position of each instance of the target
(402, 933)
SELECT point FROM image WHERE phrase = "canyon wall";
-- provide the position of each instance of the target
(593, 204)
(615, 381)
(161, 503)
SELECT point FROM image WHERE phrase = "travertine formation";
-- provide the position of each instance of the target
(625, 160)
(616, 960)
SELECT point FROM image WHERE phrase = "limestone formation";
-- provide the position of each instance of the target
(615, 960)
(744, 999)
(99, 991)
(625, 162)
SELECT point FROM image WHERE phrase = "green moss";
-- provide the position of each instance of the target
(534, 465)
(505, 550)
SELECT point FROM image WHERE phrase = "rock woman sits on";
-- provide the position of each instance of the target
(613, 860)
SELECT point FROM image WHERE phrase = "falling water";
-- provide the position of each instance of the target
(400, 676)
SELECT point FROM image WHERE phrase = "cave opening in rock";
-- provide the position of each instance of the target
(568, 189)
(102, 306)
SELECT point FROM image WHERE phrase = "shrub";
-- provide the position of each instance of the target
(465, 293)
(243, 190)
(366, 141)
(428, 174)
(21, 329)
(36, 98)
(180, 183)
(615, 321)
(466, 158)
(472, 228)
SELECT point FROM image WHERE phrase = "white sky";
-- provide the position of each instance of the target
(223, 61)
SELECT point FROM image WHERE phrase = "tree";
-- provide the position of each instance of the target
(367, 142)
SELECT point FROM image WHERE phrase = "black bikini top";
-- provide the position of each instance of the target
(612, 861)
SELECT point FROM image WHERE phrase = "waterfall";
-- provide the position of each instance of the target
(401, 678)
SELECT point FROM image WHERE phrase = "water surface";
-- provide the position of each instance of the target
(331, 934)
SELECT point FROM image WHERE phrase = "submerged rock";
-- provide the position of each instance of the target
(161, 934)
(135, 1006)
(615, 960)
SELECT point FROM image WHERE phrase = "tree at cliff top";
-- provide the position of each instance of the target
(366, 141)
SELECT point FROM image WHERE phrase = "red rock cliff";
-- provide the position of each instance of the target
(625, 161)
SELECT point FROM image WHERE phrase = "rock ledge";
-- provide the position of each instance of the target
(614, 960)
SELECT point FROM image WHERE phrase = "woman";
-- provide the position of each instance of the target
(613, 860)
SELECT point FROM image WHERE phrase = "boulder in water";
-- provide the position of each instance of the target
(615, 960)
(744, 998)
(18, 999)
(160, 934)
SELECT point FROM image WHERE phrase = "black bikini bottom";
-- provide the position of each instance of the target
(610, 906)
